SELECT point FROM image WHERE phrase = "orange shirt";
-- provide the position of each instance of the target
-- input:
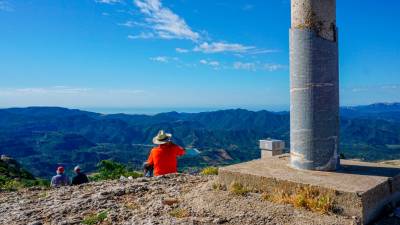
(163, 158)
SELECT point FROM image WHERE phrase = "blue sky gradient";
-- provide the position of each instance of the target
(182, 53)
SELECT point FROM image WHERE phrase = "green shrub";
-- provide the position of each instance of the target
(95, 218)
(110, 170)
(8, 184)
(11, 185)
(209, 171)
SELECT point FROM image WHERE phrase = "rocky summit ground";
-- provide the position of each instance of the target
(171, 199)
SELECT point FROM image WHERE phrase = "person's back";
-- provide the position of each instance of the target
(80, 178)
(60, 179)
(164, 157)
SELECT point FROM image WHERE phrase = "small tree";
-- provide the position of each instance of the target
(110, 170)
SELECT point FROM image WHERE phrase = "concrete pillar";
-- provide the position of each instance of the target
(314, 85)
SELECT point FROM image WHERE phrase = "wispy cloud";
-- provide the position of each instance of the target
(109, 1)
(62, 90)
(257, 66)
(161, 22)
(5, 6)
(223, 47)
(142, 35)
(163, 59)
(244, 66)
(374, 88)
(131, 23)
(212, 63)
(70, 96)
(165, 23)
(181, 50)
(127, 24)
(44, 91)
(218, 47)
(273, 67)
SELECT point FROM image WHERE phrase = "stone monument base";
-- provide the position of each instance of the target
(359, 189)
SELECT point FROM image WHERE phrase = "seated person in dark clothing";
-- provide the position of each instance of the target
(80, 177)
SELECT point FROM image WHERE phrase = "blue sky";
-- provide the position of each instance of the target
(182, 53)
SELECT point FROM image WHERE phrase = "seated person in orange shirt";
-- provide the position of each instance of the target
(163, 157)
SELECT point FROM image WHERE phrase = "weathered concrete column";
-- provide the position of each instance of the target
(314, 85)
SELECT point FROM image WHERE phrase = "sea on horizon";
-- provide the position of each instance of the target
(156, 110)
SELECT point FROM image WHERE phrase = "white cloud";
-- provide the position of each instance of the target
(381, 88)
(131, 23)
(127, 24)
(163, 59)
(161, 22)
(109, 1)
(165, 23)
(237, 49)
(219, 47)
(256, 66)
(5, 6)
(203, 61)
(273, 67)
(214, 64)
(262, 51)
(244, 66)
(181, 50)
(142, 35)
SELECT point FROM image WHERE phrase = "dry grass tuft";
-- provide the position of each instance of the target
(179, 213)
(304, 197)
(218, 186)
(238, 189)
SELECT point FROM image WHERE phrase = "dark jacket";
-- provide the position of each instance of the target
(80, 178)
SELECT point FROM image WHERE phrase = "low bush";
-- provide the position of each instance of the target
(110, 170)
(209, 171)
(8, 184)
(95, 218)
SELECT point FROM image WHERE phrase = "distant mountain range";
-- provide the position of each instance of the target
(43, 137)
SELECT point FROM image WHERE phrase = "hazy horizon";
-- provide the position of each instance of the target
(156, 110)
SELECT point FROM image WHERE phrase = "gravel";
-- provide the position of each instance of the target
(170, 199)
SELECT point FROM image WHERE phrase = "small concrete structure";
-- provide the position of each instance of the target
(360, 189)
(271, 147)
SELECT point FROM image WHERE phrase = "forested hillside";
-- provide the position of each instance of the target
(43, 137)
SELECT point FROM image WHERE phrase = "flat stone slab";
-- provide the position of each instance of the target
(360, 189)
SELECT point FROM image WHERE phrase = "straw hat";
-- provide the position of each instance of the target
(162, 138)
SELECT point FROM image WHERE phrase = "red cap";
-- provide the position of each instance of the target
(60, 169)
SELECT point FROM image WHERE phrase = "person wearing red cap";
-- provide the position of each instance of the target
(60, 179)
